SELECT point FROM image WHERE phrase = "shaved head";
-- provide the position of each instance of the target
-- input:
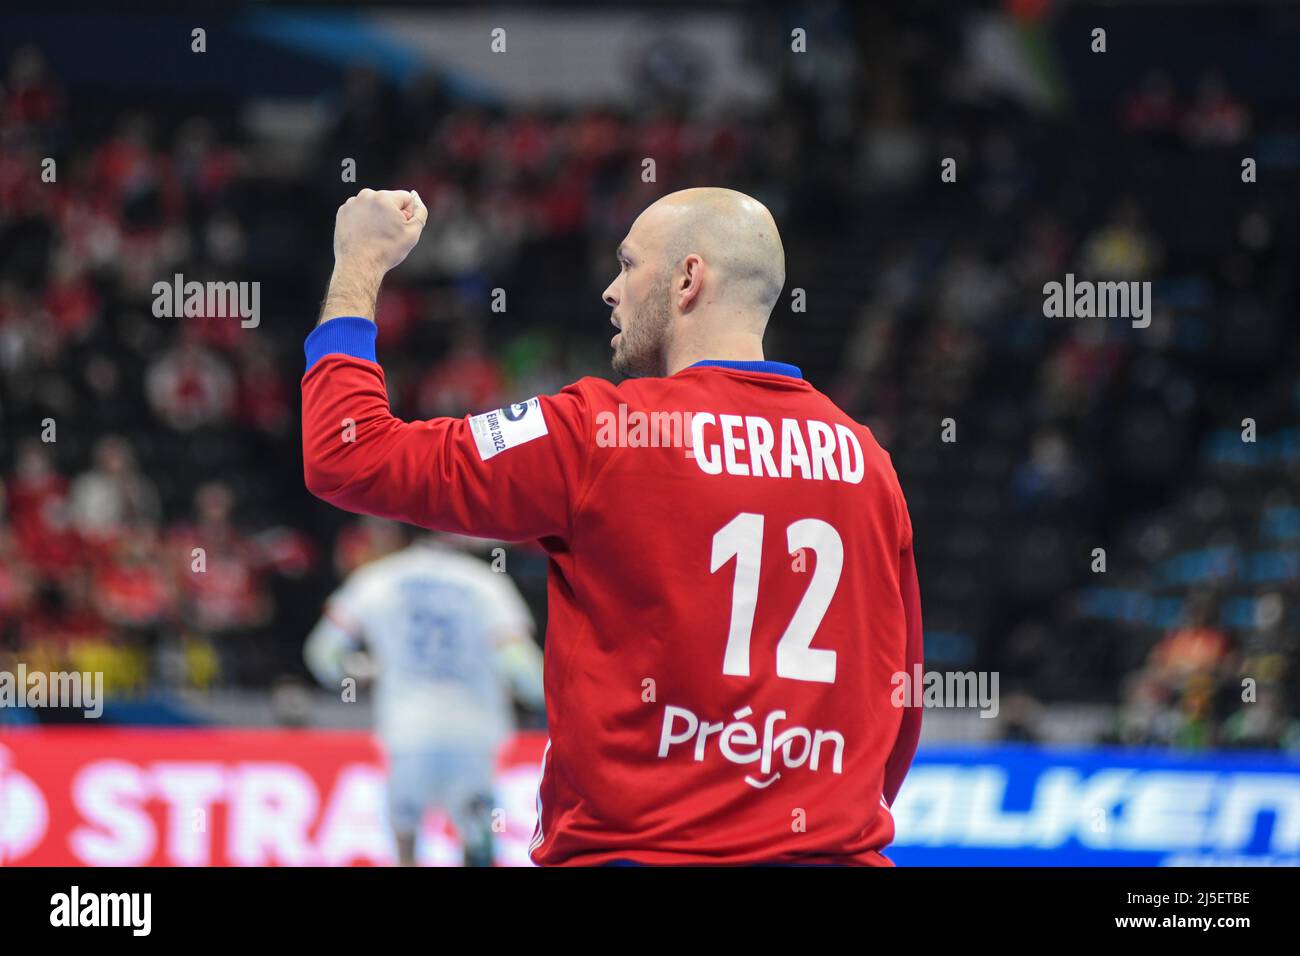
(709, 253)
(732, 232)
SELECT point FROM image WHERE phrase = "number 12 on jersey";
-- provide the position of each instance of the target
(742, 538)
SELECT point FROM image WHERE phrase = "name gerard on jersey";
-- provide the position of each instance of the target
(831, 454)
(740, 444)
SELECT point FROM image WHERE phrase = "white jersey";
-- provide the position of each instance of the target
(432, 618)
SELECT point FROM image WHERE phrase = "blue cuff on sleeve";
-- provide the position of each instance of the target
(348, 334)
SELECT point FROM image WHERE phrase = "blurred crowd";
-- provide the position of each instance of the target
(153, 523)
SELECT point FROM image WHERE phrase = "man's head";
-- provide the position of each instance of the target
(699, 273)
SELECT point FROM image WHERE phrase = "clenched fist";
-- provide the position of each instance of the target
(378, 228)
(373, 231)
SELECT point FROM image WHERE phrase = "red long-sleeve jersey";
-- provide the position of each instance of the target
(731, 594)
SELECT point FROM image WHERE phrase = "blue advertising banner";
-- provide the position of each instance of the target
(1015, 805)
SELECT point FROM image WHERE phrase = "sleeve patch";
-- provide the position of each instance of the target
(507, 427)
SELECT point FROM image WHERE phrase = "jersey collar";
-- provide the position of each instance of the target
(772, 368)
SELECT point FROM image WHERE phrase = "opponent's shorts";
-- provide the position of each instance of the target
(451, 779)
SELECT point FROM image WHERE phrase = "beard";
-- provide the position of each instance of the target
(641, 345)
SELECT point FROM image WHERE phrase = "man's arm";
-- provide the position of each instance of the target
(509, 625)
(512, 474)
(333, 651)
(517, 663)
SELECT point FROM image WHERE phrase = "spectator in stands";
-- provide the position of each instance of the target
(468, 380)
(132, 589)
(1262, 723)
(1050, 480)
(366, 539)
(1153, 106)
(16, 583)
(113, 496)
(216, 567)
(1216, 117)
(38, 510)
(1196, 728)
(189, 386)
(1192, 650)
(1021, 715)
(33, 100)
(1122, 249)
(263, 403)
(1146, 716)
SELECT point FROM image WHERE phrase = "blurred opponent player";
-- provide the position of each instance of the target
(448, 635)
(732, 594)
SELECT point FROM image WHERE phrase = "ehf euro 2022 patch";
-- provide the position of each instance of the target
(507, 427)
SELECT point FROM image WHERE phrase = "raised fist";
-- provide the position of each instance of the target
(378, 228)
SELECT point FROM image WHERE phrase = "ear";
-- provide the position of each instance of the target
(690, 281)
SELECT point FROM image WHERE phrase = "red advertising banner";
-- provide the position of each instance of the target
(186, 797)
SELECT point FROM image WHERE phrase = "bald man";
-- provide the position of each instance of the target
(733, 603)
(699, 274)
